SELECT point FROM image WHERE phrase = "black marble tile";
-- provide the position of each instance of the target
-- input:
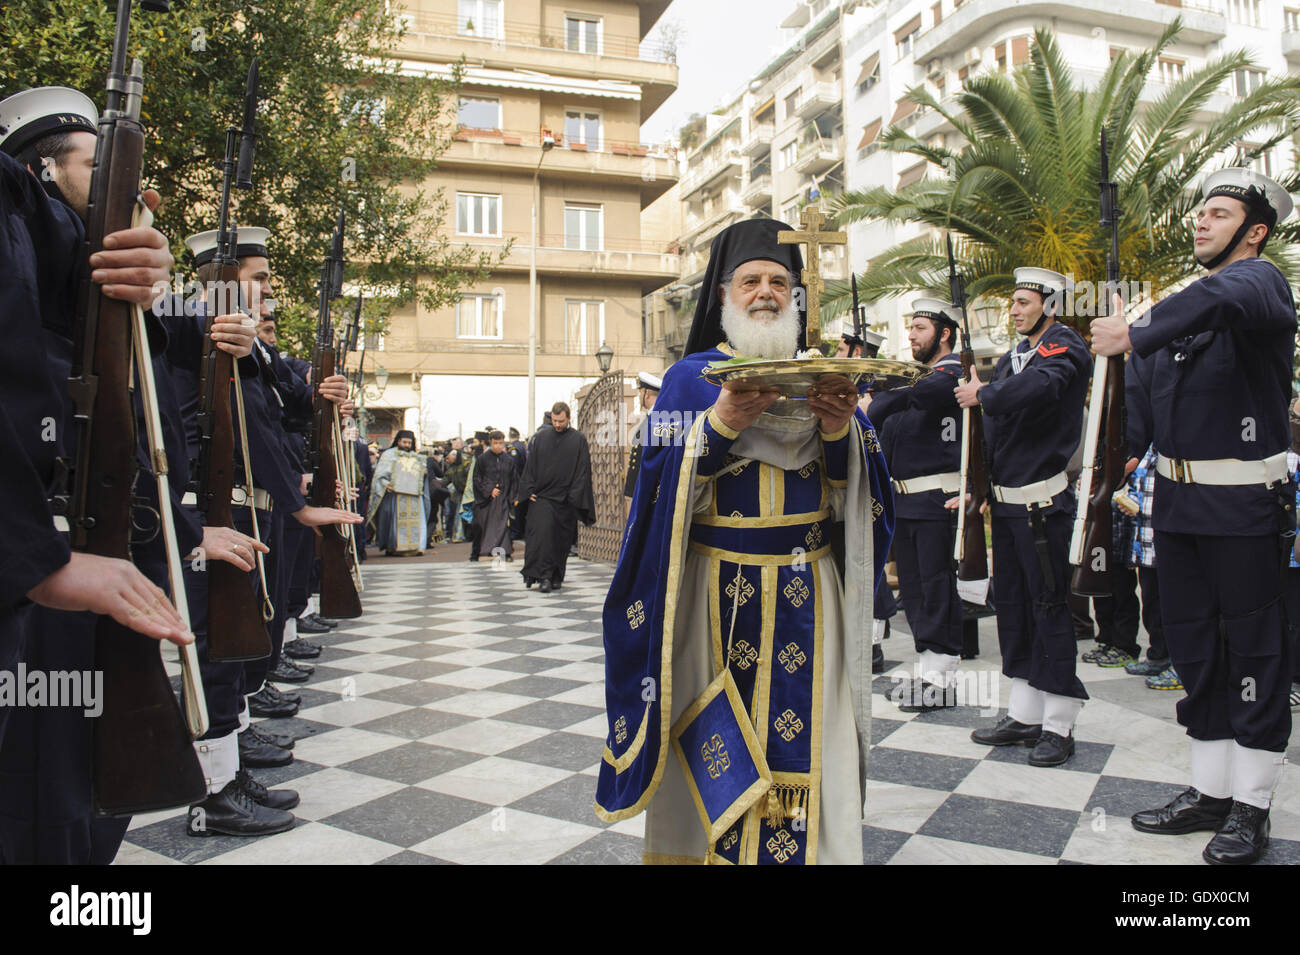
(526, 664)
(606, 848)
(1120, 796)
(329, 655)
(1281, 852)
(550, 714)
(519, 645)
(280, 776)
(422, 651)
(311, 697)
(320, 675)
(294, 726)
(570, 799)
(561, 750)
(408, 816)
(407, 857)
(880, 845)
(417, 693)
(541, 687)
(973, 717)
(170, 838)
(1087, 758)
(420, 669)
(1022, 827)
(415, 723)
(411, 763)
(926, 770)
(881, 728)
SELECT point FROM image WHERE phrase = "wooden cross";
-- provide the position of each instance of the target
(813, 237)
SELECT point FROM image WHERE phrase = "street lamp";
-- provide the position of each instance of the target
(604, 355)
(548, 143)
(381, 384)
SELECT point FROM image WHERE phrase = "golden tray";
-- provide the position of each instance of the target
(796, 376)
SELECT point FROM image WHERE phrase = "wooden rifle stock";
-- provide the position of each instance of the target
(236, 630)
(338, 591)
(142, 759)
(972, 555)
(1092, 572)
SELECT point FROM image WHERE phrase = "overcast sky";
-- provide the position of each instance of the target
(723, 45)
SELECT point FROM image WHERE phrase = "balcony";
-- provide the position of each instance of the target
(652, 168)
(645, 262)
(758, 192)
(819, 155)
(759, 142)
(625, 58)
(710, 170)
(1291, 46)
(701, 229)
(954, 34)
(818, 99)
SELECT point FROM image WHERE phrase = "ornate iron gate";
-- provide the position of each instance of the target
(599, 417)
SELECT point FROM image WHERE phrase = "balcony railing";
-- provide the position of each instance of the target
(759, 141)
(518, 137)
(538, 38)
(758, 191)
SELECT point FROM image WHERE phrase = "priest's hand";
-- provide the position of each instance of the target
(833, 399)
(234, 334)
(968, 391)
(1110, 334)
(739, 404)
(496, 492)
(335, 389)
(113, 588)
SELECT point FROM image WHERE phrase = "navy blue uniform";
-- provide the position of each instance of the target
(920, 431)
(299, 541)
(1213, 381)
(1032, 423)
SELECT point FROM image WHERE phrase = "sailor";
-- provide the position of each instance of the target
(920, 429)
(1217, 376)
(648, 386)
(1033, 415)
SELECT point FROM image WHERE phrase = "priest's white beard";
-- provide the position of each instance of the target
(753, 337)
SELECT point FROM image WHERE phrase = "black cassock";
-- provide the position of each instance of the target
(492, 514)
(558, 473)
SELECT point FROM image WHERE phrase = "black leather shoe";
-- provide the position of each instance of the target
(289, 696)
(233, 812)
(260, 754)
(282, 740)
(281, 799)
(1190, 811)
(307, 625)
(1007, 733)
(301, 666)
(323, 621)
(262, 704)
(544, 586)
(877, 659)
(922, 697)
(1052, 749)
(285, 672)
(301, 649)
(528, 583)
(1242, 839)
(556, 583)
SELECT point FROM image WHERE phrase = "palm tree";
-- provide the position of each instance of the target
(1022, 190)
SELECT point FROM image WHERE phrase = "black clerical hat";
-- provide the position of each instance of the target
(734, 246)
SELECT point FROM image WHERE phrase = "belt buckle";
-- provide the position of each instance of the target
(1180, 470)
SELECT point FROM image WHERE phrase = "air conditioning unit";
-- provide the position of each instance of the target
(933, 68)
(974, 55)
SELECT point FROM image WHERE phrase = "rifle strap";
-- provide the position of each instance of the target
(1044, 553)
(268, 611)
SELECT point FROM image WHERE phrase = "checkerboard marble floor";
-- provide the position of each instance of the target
(461, 720)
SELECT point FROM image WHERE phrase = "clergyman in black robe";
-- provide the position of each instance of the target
(557, 485)
(495, 478)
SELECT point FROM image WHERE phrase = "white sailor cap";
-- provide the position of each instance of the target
(935, 309)
(647, 380)
(32, 114)
(1252, 188)
(249, 240)
(1043, 281)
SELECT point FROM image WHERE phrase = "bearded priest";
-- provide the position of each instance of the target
(732, 635)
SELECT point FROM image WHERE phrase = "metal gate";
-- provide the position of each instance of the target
(603, 405)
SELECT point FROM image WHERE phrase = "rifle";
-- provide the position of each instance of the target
(1093, 538)
(236, 630)
(969, 548)
(142, 759)
(338, 591)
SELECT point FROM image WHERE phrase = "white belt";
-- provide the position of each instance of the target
(238, 498)
(1040, 492)
(61, 524)
(948, 482)
(1224, 471)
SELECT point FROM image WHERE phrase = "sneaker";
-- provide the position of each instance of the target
(1166, 679)
(1147, 667)
(1091, 655)
(1113, 658)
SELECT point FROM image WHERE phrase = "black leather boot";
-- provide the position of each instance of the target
(301, 649)
(307, 625)
(1190, 811)
(1242, 839)
(281, 799)
(1052, 749)
(1007, 733)
(232, 812)
(285, 672)
(259, 754)
(922, 697)
(264, 704)
(282, 740)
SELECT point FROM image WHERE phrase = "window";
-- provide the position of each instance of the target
(1291, 20)
(789, 153)
(1244, 11)
(583, 127)
(1263, 163)
(582, 34)
(1171, 70)
(905, 36)
(479, 112)
(790, 212)
(870, 74)
(582, 226)
(480, 18)
(478, 214)
(962, 74)
(584, 326)
(1014, 51)
(937, 9)
(1247, 81)
(479, 315)
(792, 102)
(1116, 52)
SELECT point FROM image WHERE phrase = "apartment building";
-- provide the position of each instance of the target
(578, 75)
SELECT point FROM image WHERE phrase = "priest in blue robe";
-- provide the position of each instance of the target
(732, 635)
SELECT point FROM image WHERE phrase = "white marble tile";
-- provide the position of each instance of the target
(586, 672)
(373, 645)
(1035, 785)
(886, 709)
(361, 683)
(343, 745)
(928, 850)
(596, 727)
(507, 836)
(473, 625)
(312, 843)
(473, 678)
(495, 781)
(487, 737)
(382, 629)
(558, 636)
(334, 790)
(631, 827)
(350, 711)
(480, 703)
(1112, 840)
(567, 651)
(368, 662)
(936, 738)
(136, 855)
(468, 641)
(901, 808)
(593, 694)
(473, 657)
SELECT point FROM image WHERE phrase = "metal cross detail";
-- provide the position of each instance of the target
(814, 238)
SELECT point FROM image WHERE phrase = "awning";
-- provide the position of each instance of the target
(911, 174)
(906, 107)
(524, 80)
(911, 26)
(870, 67)
(869, 134)
(770, 104)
